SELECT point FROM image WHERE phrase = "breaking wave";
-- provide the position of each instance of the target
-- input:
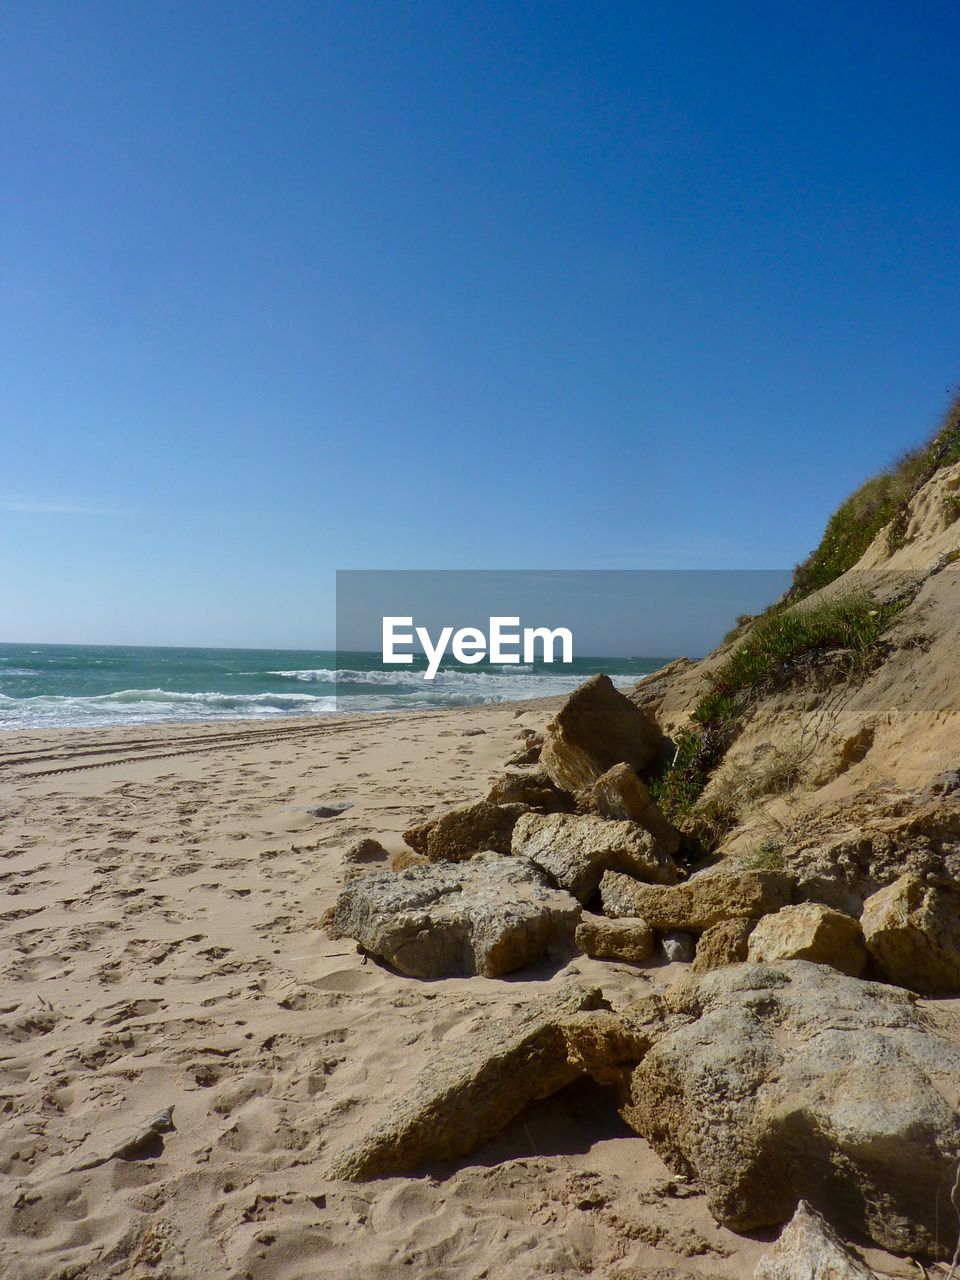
(145, 706)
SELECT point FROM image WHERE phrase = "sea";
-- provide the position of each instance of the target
(86, 686)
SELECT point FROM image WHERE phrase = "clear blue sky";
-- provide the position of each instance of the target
(292, 287)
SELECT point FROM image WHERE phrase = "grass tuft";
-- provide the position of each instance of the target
(779, 639)
(950, 508)
(765, 857)
(699, 751)
(882, 500)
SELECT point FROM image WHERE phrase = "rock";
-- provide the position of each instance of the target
(846, 868)
(332, 810)
(529, 752)
(597, 727)
(464, 1094)
(620, 793)
(404, 858)
(722, 944)
(913, 934)
(630, 940)
(650, 689)
(327, 923)
(809, 1249)
(533, 789)
(366, 850)
(703, 900)
(146, 1135)
(576, 849)
(678, 946)
(416, 837)
(607, 1046)
(461, 832)
(944, 784)
(691, 1244)
(489, 915)
(810, 932)
(795, 1081)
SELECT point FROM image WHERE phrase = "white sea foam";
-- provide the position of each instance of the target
(379, 690)
(451, 679)
(143, 706)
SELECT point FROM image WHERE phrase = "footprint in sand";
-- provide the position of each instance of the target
(349, 980)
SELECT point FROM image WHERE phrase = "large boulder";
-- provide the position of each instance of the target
(810, 932)
(464, 1094)
(794, 1081)
(913, 934)
(809, 1249)
(533, 789)
(463, 831)
(722, 944)
(630, 940)
(576, 849)
(489, 915)
(597, 727)
(703, 900)
(621, 793)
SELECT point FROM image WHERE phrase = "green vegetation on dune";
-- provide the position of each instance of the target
(765, 857)
(681, 784)
(778, 640)
(882, 500)
(778, 647)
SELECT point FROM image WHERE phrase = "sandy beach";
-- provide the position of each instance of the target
(161, 946)
(479, 636)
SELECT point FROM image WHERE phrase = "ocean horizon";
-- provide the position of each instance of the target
(87, 686)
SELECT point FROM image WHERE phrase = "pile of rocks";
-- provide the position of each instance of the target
(491, 886)
(773, 1073)
(768, 1085)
